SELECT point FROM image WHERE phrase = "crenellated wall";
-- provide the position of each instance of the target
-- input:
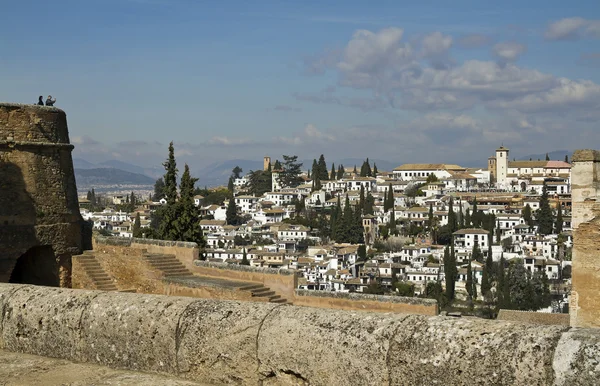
(219, 342)
(40, 224)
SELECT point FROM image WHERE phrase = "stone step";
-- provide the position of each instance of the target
(251, 287)
(279, 301)
(260, 289)
(263, 294)
(177, 273)
(167, 264)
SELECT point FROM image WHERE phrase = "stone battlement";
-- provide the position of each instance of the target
(252, 343)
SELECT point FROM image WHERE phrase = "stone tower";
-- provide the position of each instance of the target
(584, 307)
(266, 163)
(501, 165)
(40, 224)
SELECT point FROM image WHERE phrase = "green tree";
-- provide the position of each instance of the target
(544, 214)
(405, 289)
(341, 172)
(450, 272)
(375, 171)
(259, 182)
(369, 204)
(159, 190)
(392, 223)
(137, 226)
(527, 216)
(431, 178)
(547, 157)
(468, 218)
(322, 169)
(332, 176)
(469, 285)
(430, 217)
(170, 177)
(237, 172)
(231, 212)
(245, 260)
(558, 228)
(169, 213)
(388, 199)
(290, 176)
(566, 158)
(475, 217)
(361, 199)
(355, 172)
(277, 165)
(187, 223)
(476, 253)
(362, 252)
(452, 220)
(230, 184)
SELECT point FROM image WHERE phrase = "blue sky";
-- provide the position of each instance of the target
(427, 81)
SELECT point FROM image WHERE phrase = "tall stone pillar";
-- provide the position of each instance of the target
(585, 188)
(65, 268)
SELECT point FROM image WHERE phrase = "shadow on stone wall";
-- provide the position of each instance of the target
(22, 259)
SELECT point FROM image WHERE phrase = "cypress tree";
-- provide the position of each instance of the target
(430, 216)
(169, 213)
(469, 285)
(388, 199)
(566, 158)
(474, 290)
(341, 172)
(375, 172)
(334, 219)
(322, 169)
(558, 228)
(450, 271)
(452, 221)
(544, 214)
(137, 226)
(527, 216)
(188, 220)
(547, 157)
(369, 204)
(245, 260)
(332, 176)
(357, 229)
(392, 225)
(476, 253)
(475, 218)
(354, 171)
(461, 217)
(368, 166)
(468, 218)
(170, 177)
(231, 213)
(230, 185)
(361, 202)
(363, 169)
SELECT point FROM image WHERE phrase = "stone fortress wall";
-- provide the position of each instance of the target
(40, 224)
(218, 342)
(585, 190)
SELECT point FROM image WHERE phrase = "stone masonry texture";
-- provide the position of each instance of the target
(585, 295)
(39, 211)
(224, 342)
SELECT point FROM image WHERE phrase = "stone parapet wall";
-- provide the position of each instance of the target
(366, 302)
(534, 317)
(282, 281)
(185, 252)
(219, 342)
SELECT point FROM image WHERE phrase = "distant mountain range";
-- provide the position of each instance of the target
(556, 155)
(89, 178)
(114, 172)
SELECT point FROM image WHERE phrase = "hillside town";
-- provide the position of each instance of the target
(409, 231)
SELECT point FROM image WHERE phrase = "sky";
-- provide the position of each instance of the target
(409, 81)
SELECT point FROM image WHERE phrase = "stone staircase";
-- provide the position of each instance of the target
(96, 273)
(168, 265)
(260, 290)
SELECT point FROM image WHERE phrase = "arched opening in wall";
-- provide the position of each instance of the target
(523, 187)
(36, 266)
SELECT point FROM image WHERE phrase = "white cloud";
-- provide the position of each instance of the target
(572, 28)
(312, 132)
(508, 51)
(228, 141)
